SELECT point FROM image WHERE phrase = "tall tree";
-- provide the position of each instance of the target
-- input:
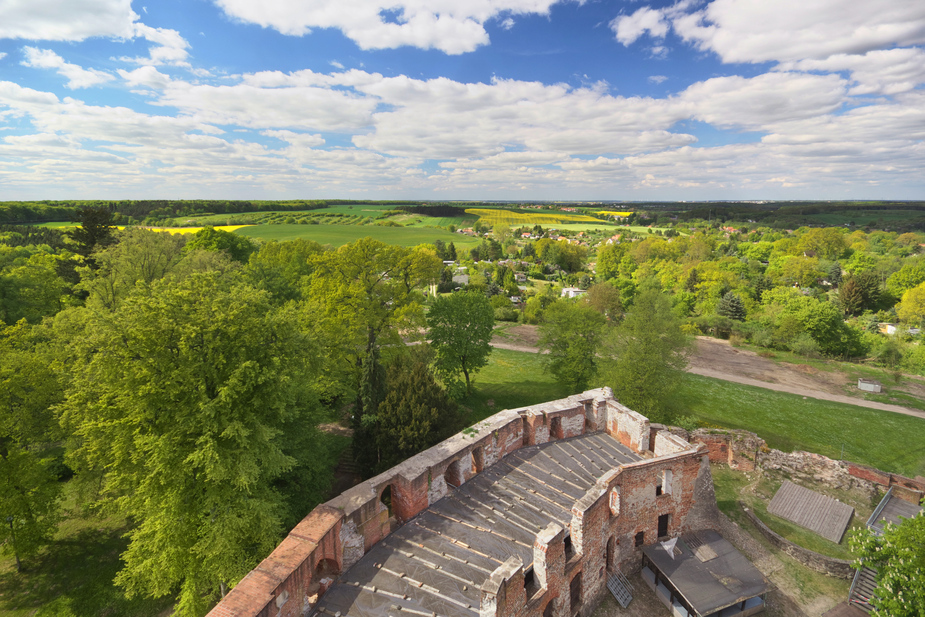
(237, 247)
(605, 299)
(361, 296)
(29, 490)
(646, 355)
(138, 255)
(177, 402)
(571, 333)
(415, 412)
(95, 231)
(898, 556)
(460, 329)
(731, 306)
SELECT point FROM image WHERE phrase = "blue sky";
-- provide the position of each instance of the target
(451, 99)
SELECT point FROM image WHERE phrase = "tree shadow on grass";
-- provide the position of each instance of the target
(72, 577)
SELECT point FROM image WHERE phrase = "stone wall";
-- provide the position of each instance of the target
(839, 568)
(335, 535)
(602, 535)
(737, 449)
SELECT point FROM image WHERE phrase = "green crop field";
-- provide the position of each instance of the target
(546, 218)
(338, 235)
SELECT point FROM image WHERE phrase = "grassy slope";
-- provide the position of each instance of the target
(338, 235)
(512, 379)
(882, 439)
(886, 440)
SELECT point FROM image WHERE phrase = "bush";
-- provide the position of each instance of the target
(804, 345)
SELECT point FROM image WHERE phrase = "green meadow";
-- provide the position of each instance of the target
(788, 422)
(338, 235)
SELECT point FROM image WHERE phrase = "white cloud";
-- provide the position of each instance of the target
(73, 20)
(507, 23)
(303, 107)
(760, 103)
(657, 79)
(336, 64)
(760, 31)
(78, 77)
(146, 76)
(629, 28)
(884, 71)
(169, 48)
(3, 55)
(447, 25)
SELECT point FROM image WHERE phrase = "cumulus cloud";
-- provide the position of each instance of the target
(883, 71)
(793, 30)
(145, 76)
(628, 28)
(77, 76)
(452, 27)
(762, 102)
(74, 20)
(168, 47)
(657, 79)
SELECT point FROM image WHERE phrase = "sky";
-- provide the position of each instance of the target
(462, 99)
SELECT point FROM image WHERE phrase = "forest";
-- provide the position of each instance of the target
(179, 381)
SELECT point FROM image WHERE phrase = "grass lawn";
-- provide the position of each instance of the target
(338, 235)
(757, 491)
(72, 577)
(882, 439)
(512, 379)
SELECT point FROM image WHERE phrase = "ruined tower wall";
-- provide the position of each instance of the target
(338, 533)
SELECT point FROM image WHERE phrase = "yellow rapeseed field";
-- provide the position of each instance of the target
(611, 213)
(506, 217)
(192, 230)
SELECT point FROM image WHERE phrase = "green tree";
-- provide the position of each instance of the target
(646, 356)
(898, 556)
(95, 231)
(29, 490)
(571, 332)
(283, 268)
(30, 287)
(851, 297)
(731, 306)
(460, 327)
(605, 299)
(177, 403)
(237, 247)
(827, 243)
(362, 296)
(912, 308)
(415, 412)
(905, 279)
(138, 255)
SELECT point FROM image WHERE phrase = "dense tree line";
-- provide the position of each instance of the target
(187, 375)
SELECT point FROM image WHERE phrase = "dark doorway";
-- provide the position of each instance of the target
(575, 593)
(663, 525)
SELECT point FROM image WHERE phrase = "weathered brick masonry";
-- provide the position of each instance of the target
(667, 487)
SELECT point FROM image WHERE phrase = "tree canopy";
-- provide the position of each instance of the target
(571, 333)
(460, 327)
(177, 401)
(646, 355)
(898, 556)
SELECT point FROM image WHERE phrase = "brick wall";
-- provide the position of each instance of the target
(600, 526)
(337, 534)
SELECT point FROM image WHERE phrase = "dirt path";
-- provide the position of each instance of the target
(720, 360)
